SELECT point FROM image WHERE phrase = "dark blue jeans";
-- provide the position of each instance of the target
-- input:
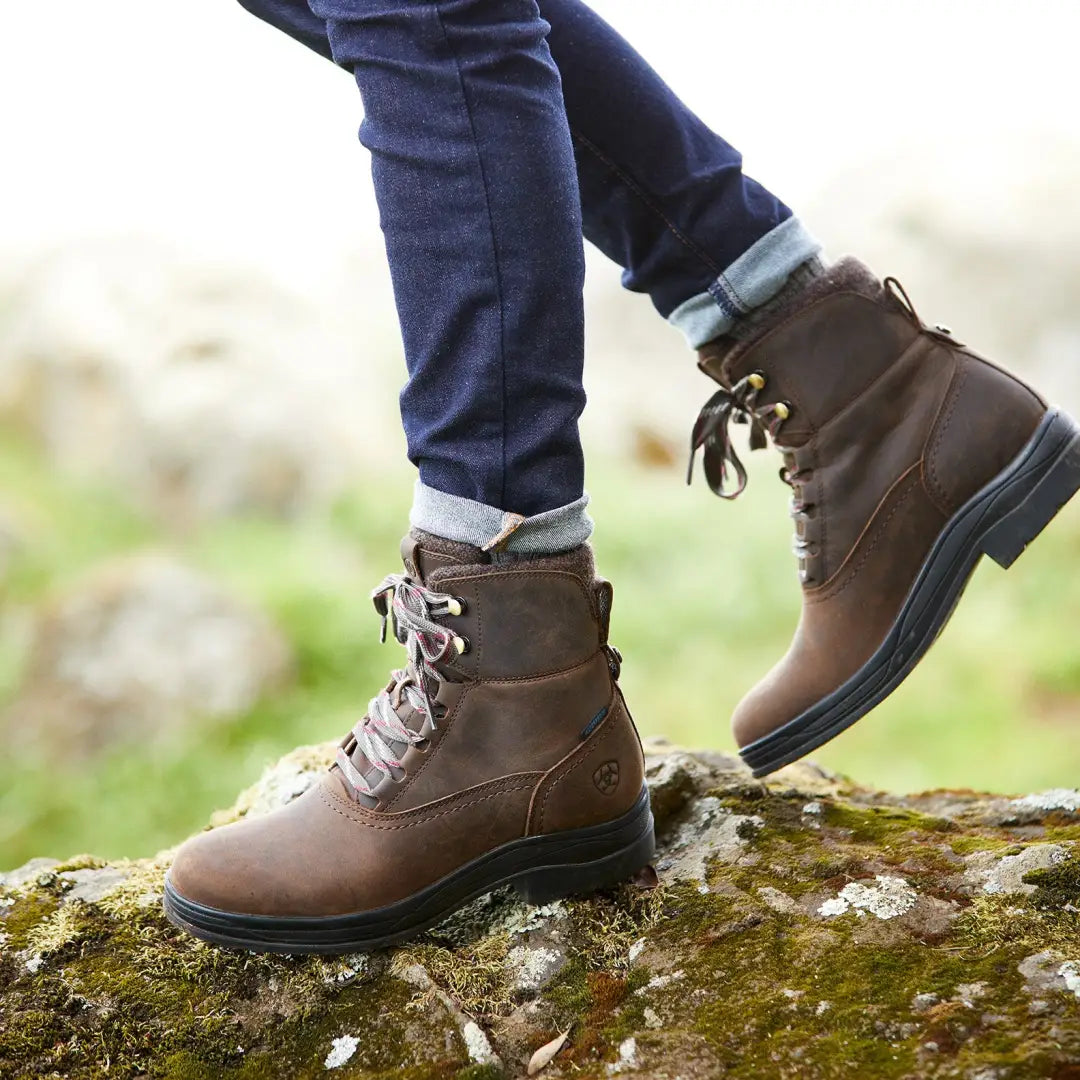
(500, 131)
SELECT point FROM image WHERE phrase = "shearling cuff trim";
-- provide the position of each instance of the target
(578, 561)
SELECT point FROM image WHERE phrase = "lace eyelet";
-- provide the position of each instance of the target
(462, 645)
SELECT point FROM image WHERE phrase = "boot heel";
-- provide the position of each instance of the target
(548, 883)
(1059, 481)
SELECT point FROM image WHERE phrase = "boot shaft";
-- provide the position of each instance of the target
(522, 617)
(873, 396)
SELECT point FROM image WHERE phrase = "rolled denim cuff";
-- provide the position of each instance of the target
(754, 278)
(500, 531)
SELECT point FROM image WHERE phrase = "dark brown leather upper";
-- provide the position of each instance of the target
(893, 425)
(534, 721)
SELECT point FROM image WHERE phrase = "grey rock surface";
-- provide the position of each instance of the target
(139, 646)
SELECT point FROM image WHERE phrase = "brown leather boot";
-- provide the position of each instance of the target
(909, 457)
(502, 754)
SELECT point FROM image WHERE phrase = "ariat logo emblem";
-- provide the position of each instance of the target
(606, 778)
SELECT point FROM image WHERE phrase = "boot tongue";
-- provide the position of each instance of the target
(421, 553)
(712, 359)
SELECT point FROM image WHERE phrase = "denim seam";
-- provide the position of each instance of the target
(727, 299)
(494, 253)
(647, 201)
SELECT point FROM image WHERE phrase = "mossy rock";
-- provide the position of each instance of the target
(800, 928)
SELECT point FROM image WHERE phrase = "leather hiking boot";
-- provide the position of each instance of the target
(909, 456)
(502, 754)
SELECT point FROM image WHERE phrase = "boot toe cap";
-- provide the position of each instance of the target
(210, 869)
(285, 863)
(779, 698)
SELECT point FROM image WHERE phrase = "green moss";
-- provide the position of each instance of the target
(380, 1008)
(569, 993)
(163, 1006)
(767, 1016)
(475, 976)
(604, 927)
(628, 1017)
(586, 1003)
(26, 913)
(154, 1002)
(1057, 833)
(692, 916)
(881, 824)
(1056, 886)
(80, 862)
(837, 865)
(182, 1065)
(63, 927)
(480, 1072)
(974, 842)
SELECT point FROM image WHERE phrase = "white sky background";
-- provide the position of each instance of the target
(194, 121)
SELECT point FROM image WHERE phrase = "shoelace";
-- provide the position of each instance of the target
(414, 610)
(712, 436)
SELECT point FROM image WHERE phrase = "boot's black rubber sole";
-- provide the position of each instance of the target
(541, 869)
(999, 521)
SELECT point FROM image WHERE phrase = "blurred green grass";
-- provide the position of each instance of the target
(705, 601)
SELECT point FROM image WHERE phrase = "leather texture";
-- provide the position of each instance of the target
(536, 738)
(893, 425)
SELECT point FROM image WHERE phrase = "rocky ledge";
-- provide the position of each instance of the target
(804, 927)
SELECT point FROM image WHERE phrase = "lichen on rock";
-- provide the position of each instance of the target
(928, 936)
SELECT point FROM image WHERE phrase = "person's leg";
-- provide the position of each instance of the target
(661, 194)
(474, 178)
(503, 752)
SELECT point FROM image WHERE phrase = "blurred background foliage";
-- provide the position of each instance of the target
(201, 466)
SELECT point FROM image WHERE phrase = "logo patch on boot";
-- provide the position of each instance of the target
(606, 778)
